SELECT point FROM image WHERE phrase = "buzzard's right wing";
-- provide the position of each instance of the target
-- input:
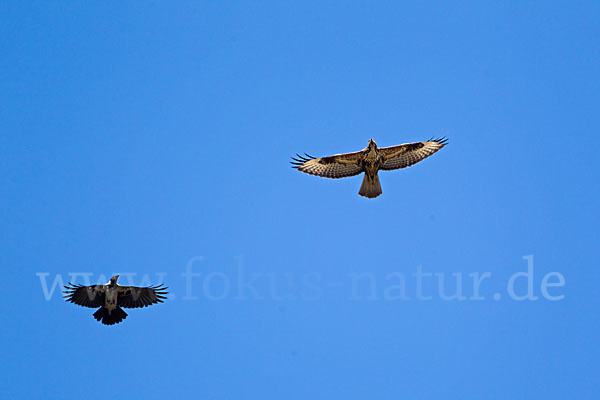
(337, 166)
(85, 296)
(407, 154)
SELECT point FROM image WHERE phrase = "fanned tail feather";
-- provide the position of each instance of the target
(370, 187)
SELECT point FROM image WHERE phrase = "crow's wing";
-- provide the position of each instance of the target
(86, 296)
(137, 297)
(336, 166)
(405, 155)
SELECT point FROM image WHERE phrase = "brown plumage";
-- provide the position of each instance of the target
(369, 160)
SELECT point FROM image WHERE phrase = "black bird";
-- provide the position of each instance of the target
(111, 297)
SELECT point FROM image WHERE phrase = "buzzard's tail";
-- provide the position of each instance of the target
(370, 187)
(110, 318)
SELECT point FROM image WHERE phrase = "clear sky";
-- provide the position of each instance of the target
(152, 139)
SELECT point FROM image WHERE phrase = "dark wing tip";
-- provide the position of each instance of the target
(303, 158)
(300, 160)
(159, 287)
(443, 140)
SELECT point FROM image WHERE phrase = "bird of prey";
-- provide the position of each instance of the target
(369, 160)
(111, 297)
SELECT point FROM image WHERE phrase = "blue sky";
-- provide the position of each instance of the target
(151, 137)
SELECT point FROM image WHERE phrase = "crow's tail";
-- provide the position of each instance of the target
(110, 317)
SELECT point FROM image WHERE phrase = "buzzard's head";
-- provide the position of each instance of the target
(113, 280)
(371, 144)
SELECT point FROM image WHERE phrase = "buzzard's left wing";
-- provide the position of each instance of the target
(337, 166)
(85, 296)
(138, 297)
(405, 155)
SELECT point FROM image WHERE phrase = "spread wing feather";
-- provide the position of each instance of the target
(407, 154)
(336, 166)
(138, 297)
(85, 296)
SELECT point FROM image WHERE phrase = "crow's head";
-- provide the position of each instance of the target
(113, 280)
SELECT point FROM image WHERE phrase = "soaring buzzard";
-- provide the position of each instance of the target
(111, 297)
(369, 160)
